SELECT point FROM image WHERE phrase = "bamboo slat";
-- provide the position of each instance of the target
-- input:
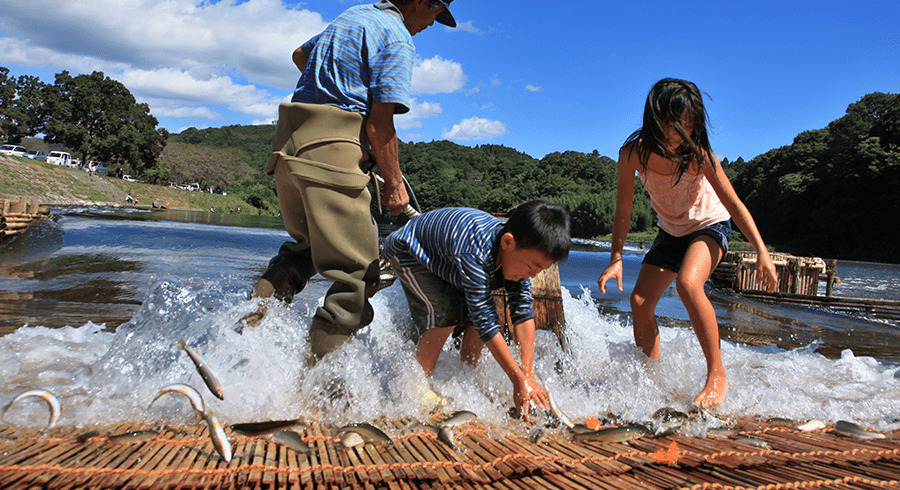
(184, 458)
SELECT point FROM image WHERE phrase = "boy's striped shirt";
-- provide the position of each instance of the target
(456, 244)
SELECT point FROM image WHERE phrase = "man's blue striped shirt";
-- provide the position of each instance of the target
(363, 57)
(456, 244)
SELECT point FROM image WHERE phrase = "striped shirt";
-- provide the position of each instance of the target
(363, 58)
(456, 244)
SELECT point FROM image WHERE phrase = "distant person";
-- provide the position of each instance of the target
(129, 199)
(449, 260)
(695, 202)
(356, 75)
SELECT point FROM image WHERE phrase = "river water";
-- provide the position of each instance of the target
(92, 305)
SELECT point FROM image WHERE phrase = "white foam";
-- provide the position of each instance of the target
(104, 377)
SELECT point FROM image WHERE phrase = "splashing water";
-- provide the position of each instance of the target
(104, 377)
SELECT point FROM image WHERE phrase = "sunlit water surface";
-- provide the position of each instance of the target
(189, 280)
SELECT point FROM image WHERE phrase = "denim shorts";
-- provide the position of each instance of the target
(433, 302)
(668, 251)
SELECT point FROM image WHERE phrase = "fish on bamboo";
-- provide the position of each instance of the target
(755, 442)
(446, 436)
(84, 436)
(205, 372)
(290, 440)
(811, 425)
(781, 422)
(615, 434)
(459, 417)
(253, 429)
(351, 439)
(133, 436)
(217, 434)
(721, 431)
(849, 429)
(368, 432)
(668, 421)
(538, 435)
(554, 409)
(192, 395)
(45, 395)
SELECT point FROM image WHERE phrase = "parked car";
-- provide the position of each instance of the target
(13, 150)
(60, 158)
(36, 155)
(99, 168)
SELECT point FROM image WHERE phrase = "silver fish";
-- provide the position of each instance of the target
(291, 440)
(252, 429)
(780, 422)
(45, 395)
(368, 432)
(188, 391)
(614, 434)
(850, 429)
(458, 417)
(539, 435)
(351, 438)
(721, 431)
(84, 436)
(558, 413)
(205, 372)
(755, 442)
(134, 436)
(217, 434)
(668, 421)
(811, 425)
(446, 436)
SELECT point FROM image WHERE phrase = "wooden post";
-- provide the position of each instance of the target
(829, 275)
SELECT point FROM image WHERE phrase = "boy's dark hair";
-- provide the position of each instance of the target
(540, 225)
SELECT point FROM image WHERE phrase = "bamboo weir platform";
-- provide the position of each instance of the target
(760, 456)
(798, 283)
(17, 215)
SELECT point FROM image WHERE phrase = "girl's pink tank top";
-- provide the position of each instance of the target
(688, 206)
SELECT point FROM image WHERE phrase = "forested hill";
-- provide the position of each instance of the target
(834, 192)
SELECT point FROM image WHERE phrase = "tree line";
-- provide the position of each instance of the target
(834, 192)
(92, 115)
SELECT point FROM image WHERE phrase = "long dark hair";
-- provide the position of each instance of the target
(668, 103)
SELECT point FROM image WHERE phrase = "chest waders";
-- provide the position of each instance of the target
(318, 160)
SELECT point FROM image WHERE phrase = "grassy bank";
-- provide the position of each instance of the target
(52, 184)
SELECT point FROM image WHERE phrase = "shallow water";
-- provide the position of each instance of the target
(95, 303)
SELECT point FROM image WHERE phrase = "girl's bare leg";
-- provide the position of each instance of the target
(651, 283)
(702, 257)
(430, 344)
(471, 348)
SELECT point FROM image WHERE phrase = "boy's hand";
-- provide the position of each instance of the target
(527, 391)
(614, 270)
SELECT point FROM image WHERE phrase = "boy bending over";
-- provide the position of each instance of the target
(449, 260)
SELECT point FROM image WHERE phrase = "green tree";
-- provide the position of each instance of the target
(22, 110)
(98, 116)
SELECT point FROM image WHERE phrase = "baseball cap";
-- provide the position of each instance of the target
(446, 17)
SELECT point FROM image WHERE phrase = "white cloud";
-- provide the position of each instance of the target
(475, 128)
(186, 112)
(467, 26)
(418, 111)
(437, 76)
(533, 88)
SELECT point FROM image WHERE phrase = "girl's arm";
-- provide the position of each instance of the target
(622, 221)
(765, 269)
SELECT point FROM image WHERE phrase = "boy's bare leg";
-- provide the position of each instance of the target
(651, 283)
(430, 344)
(471, 348)
(702, 257)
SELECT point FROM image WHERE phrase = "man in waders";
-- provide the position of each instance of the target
(356, 76)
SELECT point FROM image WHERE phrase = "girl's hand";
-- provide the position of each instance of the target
(766, 273)
(614, 270)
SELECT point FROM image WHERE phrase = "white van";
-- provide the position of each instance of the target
(59, 158)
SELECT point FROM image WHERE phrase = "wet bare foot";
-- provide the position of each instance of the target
(714, 392)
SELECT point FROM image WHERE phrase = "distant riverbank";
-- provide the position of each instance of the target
(44, 183)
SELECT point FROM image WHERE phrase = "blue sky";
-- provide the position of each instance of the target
(536, 76)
